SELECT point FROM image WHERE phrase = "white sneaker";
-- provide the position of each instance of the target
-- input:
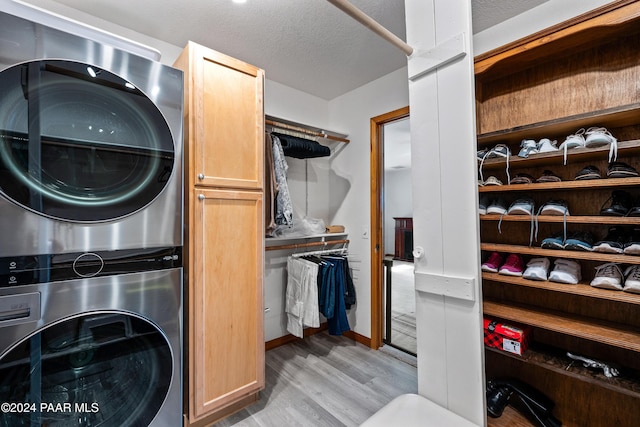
(566, 271)
(528, 146)
(573, 141)
(537, 269)
(632, 279)
(598, 137)
(546, 145)
(608, 276)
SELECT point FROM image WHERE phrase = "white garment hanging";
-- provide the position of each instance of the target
(301, 302)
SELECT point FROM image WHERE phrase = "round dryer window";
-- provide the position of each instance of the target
(79, 143)
(106, 369)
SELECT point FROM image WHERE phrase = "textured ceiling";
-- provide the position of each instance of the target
(309, 45)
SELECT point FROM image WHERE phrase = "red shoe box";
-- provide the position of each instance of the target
(506, 337)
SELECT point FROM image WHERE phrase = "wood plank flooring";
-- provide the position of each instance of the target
(326, 380)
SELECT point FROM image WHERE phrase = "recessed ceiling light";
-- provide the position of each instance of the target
(239, 1)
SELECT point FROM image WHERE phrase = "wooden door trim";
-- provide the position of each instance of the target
(377, 171)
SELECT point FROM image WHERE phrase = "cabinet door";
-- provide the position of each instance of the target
(227, 339)
(229, 126)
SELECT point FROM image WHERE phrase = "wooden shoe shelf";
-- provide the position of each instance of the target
(578, 74)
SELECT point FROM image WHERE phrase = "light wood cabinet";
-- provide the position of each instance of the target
(224, 139)
(579, 74)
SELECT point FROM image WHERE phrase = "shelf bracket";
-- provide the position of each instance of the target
(424, 62)
(450, 286)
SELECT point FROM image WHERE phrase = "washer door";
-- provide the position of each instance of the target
(101, 369)
(79, 143)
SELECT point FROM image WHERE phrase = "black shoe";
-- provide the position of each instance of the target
(588, 172)
(620, 204)
(632, 247)
(621, 170)
(613, 243)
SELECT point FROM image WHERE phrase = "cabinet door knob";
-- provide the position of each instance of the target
(200, 196)
(418, 252)
(200, 176)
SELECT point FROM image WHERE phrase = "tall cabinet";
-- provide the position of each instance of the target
(579, 74)
(224, 140)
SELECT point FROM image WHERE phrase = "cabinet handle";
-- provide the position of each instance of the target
(200, 196)
(200, 176)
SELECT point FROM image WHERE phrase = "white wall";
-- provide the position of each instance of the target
(350, 177)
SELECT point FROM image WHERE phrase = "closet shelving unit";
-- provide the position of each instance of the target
(306, 131)
(578, 74)
(317, 240)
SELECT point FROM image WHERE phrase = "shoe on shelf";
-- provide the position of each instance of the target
(497, 206)
(565, 271)
(483, 203)
(634, 211)
(632, 279)
(513, 266)
(555, 241)
(499, 150)
(548, 176)
(522, 206)
(554, 207)
(588, 172)
(481, 153)
(608, 276)
(528, 146)
(632, 246)
(522, 178)
(537, 269)
(598, 137)
(492, 180)
(546, 145)
(579, 241)
(493, 263)
(620, 170)
(573, 141)
(620, 204)
(613, 242)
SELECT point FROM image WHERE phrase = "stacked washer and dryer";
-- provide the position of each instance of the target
(90, 232)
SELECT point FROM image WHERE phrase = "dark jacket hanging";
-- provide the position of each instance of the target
(301, 148)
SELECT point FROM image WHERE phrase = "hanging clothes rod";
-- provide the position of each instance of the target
(338, 251)
(306, 245)
(308, 130)
(372, 24)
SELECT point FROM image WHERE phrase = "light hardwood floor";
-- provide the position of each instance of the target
(326, 380)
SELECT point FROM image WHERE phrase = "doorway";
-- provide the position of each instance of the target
(392, 288)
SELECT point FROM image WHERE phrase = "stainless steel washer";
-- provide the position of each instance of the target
(94, 351)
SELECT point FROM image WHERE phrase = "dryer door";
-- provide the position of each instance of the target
(99, 369)
(79, 143)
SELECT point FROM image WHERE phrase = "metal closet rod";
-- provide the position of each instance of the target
(277, 124)
(305, 245)
(372, 24)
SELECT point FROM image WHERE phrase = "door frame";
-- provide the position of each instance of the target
(376, 182)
